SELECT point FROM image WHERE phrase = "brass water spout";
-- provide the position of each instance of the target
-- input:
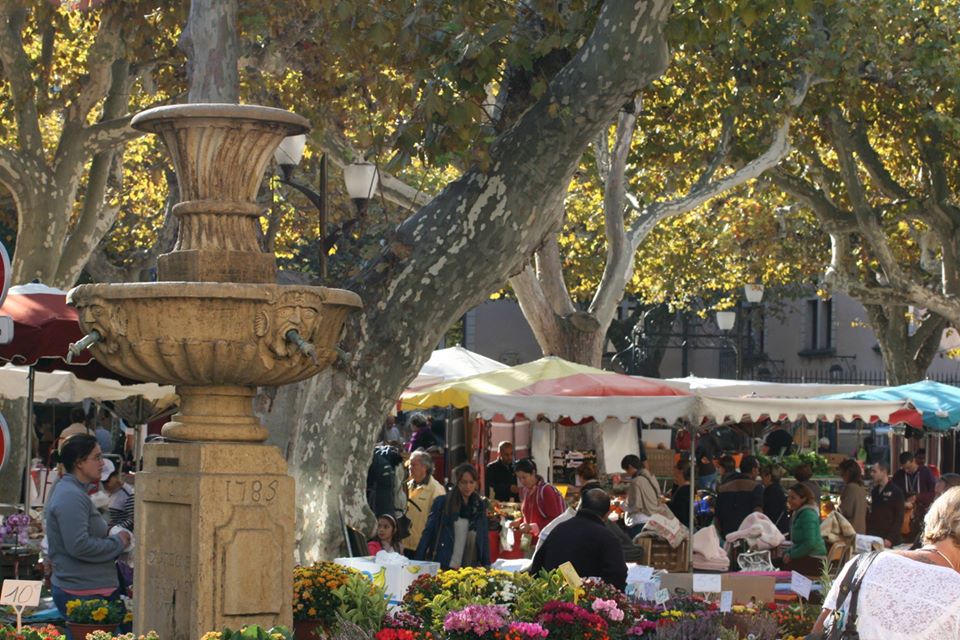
(305, 347)
(78, 347)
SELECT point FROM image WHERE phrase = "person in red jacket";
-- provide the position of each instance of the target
(540, 502)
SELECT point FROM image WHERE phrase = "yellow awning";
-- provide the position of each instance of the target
(458, 392)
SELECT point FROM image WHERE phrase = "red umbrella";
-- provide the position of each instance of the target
(43, 325)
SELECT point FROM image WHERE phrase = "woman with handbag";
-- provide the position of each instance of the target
(456, 531)
(900, 595)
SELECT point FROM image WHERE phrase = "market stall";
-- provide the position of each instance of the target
(556, 388)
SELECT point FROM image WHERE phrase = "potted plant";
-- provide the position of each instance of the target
(315, 604)
(95, 614)
(49, 632)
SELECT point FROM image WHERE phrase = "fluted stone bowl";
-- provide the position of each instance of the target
(203, 334)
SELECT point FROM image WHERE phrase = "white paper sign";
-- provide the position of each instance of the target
(639, 573)
(800, 585)
(21, 593)
(662, 596)
(726, 601)
(707, 583)
(650, 591)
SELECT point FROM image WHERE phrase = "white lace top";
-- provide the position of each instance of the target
(904, 599)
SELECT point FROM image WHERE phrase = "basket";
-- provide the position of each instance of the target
(660, 555)
(660, 462)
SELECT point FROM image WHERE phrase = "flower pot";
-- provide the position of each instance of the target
(79, 630)
(309, 629)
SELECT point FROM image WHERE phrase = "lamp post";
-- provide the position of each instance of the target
(726, 320)
(361, 178)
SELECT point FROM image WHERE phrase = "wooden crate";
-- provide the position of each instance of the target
(834, 460)
(660, 462)
(660, 555)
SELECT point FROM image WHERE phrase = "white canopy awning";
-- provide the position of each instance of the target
(623, 408)
(674, 408)
(63, 386)
(753, 409)
(720, 387)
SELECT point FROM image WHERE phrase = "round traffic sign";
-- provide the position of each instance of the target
(5, 442)
(5, 273)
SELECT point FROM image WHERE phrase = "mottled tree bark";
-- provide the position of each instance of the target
(209, 40)
(451, 255)
(906, 356)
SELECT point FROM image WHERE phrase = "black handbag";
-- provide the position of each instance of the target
(850, 585)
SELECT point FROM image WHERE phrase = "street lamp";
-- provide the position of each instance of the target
(726, 320)
(362, 179)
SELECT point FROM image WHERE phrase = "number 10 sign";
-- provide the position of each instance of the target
(20, 594)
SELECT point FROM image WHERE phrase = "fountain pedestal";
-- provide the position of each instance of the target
(215, 528)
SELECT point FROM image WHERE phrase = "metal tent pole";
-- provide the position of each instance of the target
(693, 494)
(31, 378)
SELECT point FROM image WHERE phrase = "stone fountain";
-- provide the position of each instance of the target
(215, 506)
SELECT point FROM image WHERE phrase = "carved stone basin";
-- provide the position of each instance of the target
(215, 341)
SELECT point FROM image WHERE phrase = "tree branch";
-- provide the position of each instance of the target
(96, 216)
(106, 49)
(12, 170)
(16, 69)
(872, 162)
(101, 269)
(534, 304)
(719, 154)
(831, 218)
(108, 134)
(778, 149)
(619, 259)
(838, 131)
(549, 272)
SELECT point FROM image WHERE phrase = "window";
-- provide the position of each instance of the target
(818, 330)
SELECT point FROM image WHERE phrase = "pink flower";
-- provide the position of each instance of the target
(608, 608)
(529, 629)
(478, 619)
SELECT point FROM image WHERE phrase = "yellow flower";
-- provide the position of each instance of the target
(99, 614)
(71, 605)
(311, 612)
(211, 635)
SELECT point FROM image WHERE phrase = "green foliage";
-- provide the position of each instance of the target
(548, 586)
(250, 632)
(818, 463)
(361, 602)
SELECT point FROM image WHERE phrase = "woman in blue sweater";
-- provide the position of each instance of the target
(456, 531)
(83, 554)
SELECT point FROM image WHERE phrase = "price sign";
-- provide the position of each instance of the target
(662, 596)
(650, 591)
(707, 583)
(726, 601)
(570, 575)
(800, 585)
(21, 593)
